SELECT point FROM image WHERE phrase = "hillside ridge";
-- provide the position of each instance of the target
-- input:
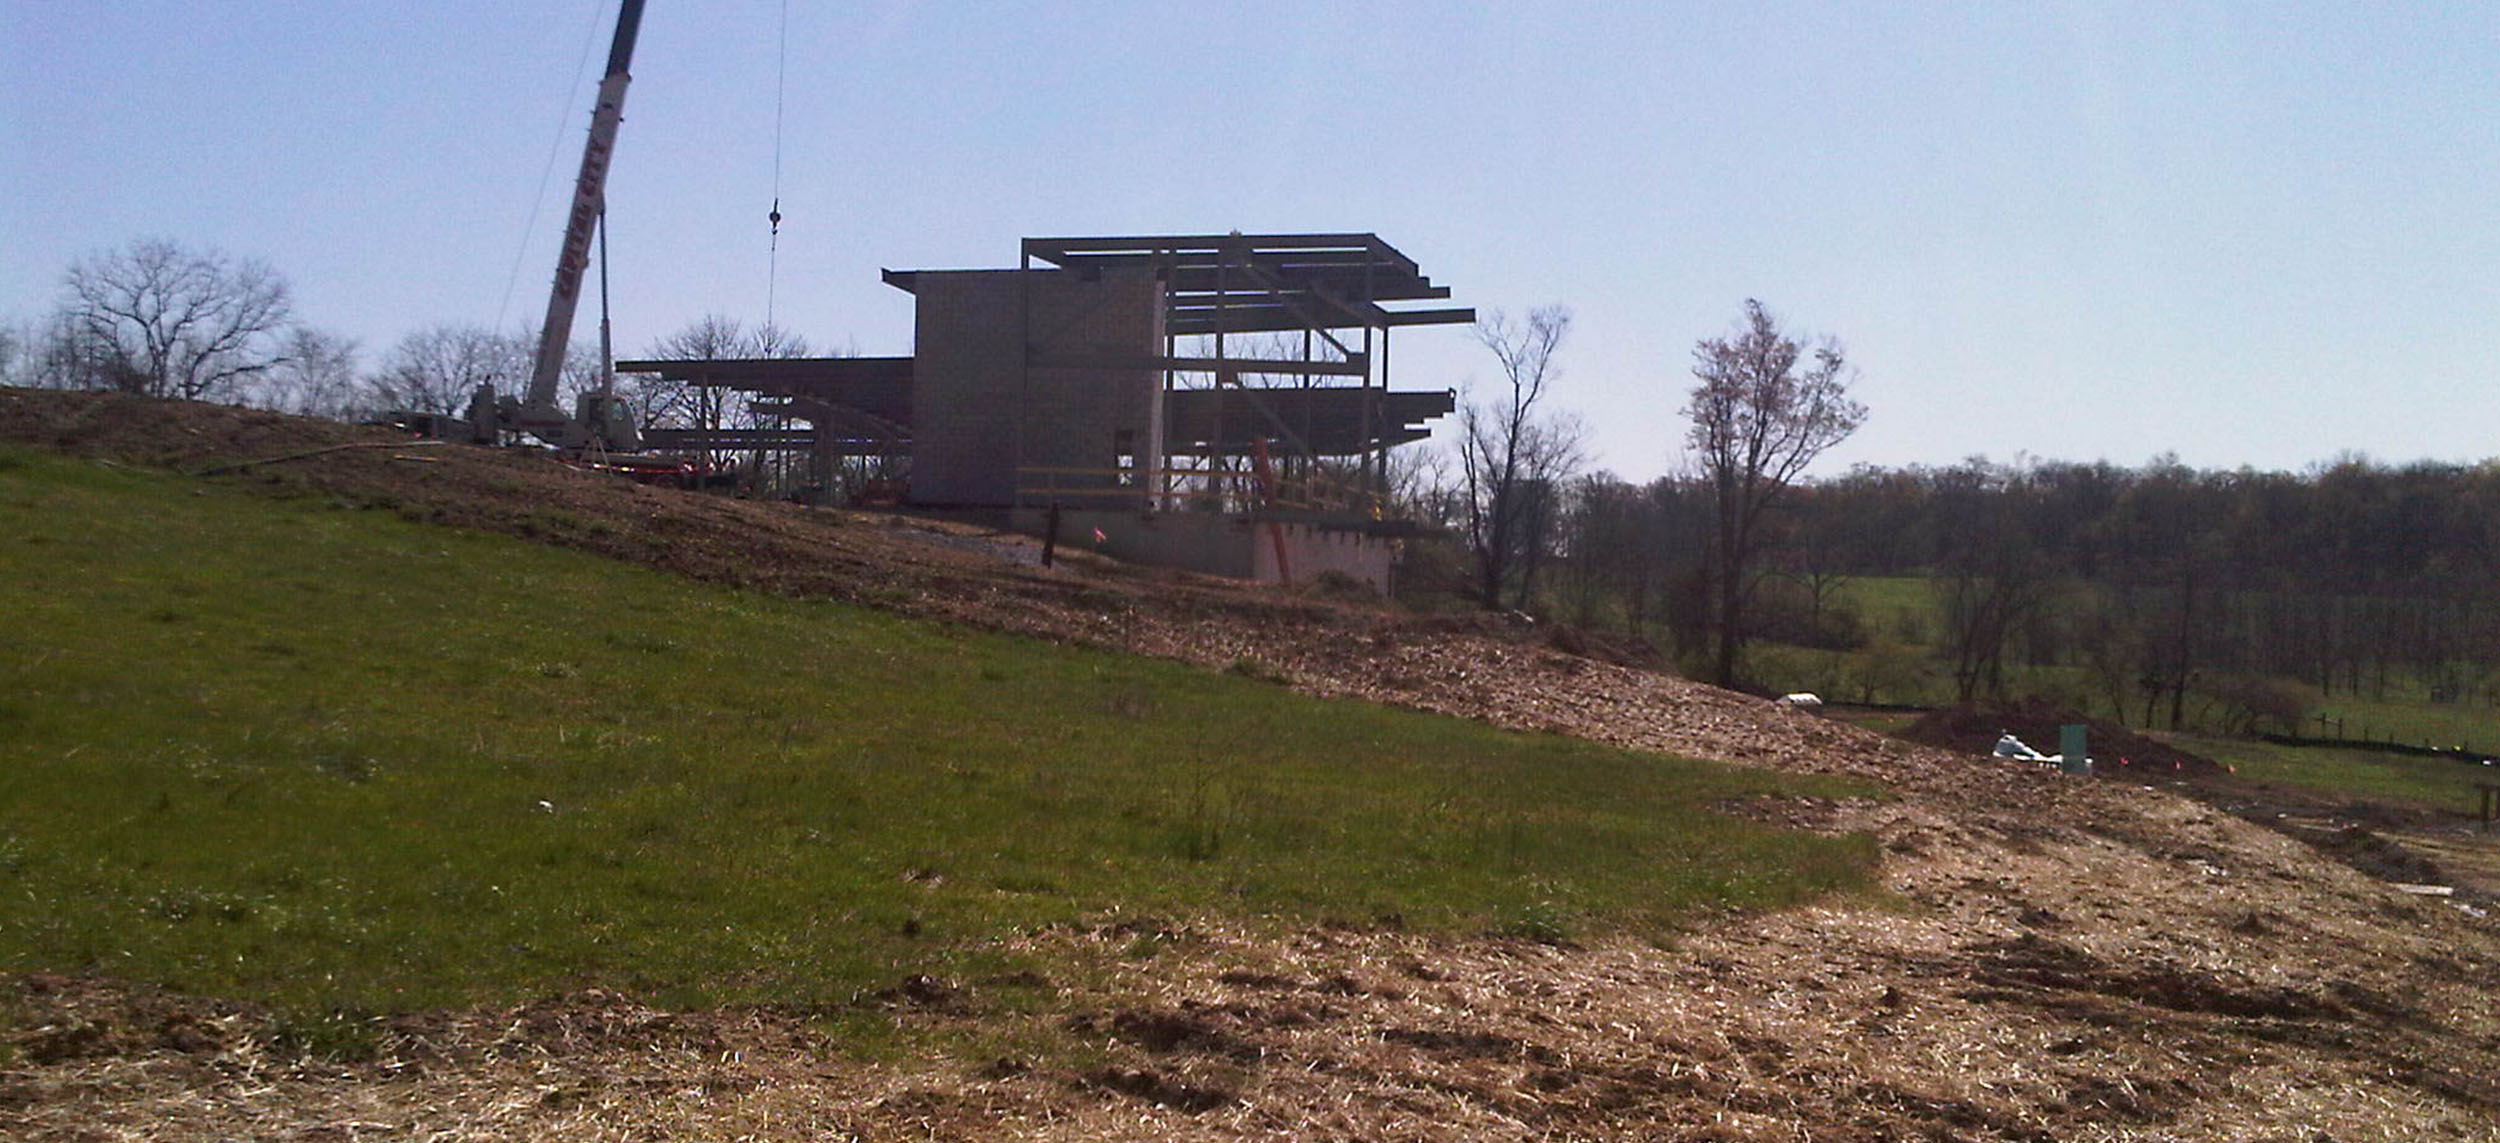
(2052, 958)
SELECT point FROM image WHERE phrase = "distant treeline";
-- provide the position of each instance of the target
(2161, 590)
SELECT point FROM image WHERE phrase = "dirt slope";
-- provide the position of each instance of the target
(2058, 960)
(2117, 752)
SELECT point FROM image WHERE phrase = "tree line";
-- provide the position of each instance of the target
(2166, 595)
(158, 318)
(2161, 595)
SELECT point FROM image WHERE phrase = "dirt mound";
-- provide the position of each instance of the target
(166, 434)
(2375, 855)
(2117, 752)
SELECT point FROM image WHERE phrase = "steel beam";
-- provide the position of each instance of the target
(1356, 367)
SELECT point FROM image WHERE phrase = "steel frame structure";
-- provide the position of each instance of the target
(1307, 288)
(1275, 358)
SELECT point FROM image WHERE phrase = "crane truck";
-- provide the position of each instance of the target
(599, 422)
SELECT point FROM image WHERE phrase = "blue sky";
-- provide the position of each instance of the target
(2249, 234)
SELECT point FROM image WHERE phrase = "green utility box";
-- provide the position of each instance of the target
(2073, 751)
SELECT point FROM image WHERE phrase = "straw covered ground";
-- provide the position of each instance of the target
(2050, 959)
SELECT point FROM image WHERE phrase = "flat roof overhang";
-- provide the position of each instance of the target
(880, 387)
(1322, 420)
(1256, 283)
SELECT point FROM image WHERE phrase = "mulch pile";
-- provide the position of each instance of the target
(2117, 752)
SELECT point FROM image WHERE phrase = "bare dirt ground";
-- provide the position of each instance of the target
(2395, 841)
(2054, 959)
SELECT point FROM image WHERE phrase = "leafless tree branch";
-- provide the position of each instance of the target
(1765, 409)
(159, 319)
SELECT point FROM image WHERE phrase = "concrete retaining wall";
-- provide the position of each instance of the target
(1219, 544)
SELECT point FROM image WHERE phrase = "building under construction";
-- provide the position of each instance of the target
(1216, 403)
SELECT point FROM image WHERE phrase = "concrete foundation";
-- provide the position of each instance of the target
(1220, 544)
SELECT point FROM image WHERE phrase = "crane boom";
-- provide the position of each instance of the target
(539, 413)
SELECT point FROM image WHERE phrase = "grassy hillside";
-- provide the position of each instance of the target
(2408, 716)
(327, 758)
(2436, 783)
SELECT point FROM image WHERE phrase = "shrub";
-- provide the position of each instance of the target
(2245, 703)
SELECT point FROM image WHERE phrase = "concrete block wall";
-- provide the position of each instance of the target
(967, 377)
(1311, 551)
(980, 411)
(1076, 418)
(1209, 542)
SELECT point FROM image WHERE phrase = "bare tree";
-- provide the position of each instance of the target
(1512, 454)
(1419, 488)
(166, 321)
(62, 356)
(1762, 413)
(17, 352)
(314, 376)
(1992, 578)
(1597, 524)
(773, 340)
(435, 369)
(26, 352)
(663, 403)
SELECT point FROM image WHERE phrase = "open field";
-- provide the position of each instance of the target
(2407, 717)
(1904, 609)
(331, 760)
(2435, 783)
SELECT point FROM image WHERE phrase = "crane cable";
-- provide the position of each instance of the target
(772, 257)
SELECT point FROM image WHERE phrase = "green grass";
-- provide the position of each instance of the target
(332, 760)
(2412, 719)
(1889, 604)
(2436, 782)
